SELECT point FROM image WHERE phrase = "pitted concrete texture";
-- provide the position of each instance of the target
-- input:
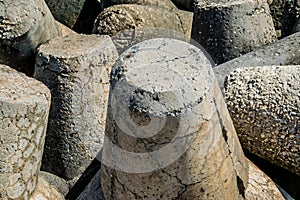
(66, 11)
(24, 25)
(128, 16)
(44, 191)
(260, 186)
(56, 182)
(169, 135)
(160, 3)
(285, 14)
(264, 103)
(76, 68)
(283, 52)
(24, 107)
(230, 29)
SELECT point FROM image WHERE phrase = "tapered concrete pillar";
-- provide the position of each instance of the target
(228, 29)
(24, 25)
(24, 107)
(168, 132)
(264, 103)
(76, 68)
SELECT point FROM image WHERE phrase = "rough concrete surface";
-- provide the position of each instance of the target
(230, 29)
(179, 115)
(24, 107)
(283, 52)
(76, 68)
(264, 103)
(24, 25)
(160, 3)
(129, 16)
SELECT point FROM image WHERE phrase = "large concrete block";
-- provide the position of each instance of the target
(229, 29)
(168, 132)
(283, 52)
(128, 16)
(160, 3)
(264, 103)
(24, 25)
(24, 107)
(76, 68)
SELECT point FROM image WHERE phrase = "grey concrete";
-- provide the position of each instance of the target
(56, 182)
(160, 3)
(284, 13)
(24, 108)
(169, 134)
(76, 68)
(283, 52)
(129, 16)
(66, 11)
(24, 25)
(230, 29)
(93, 190)
(264, 103)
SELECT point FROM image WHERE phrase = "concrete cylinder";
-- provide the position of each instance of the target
(232, 28)
(76, 68)
(24, 107)
(168, 133)
(283, 52)
(264, 104)
(130, 16)
(24, 25)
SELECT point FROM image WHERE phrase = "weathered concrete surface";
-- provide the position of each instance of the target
(264, 103)
(127, 38)
(284, 13)
(56, 182)
(160, 3)
(260, 186)
(24, 107)
(76, 68)
(66, 11)
(230, 29)
(24, 25)
(177, 138)
(283, 52)
(120, 17)
(93, 190)
(44, 191)
(64, 29)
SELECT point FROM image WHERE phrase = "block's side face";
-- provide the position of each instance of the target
(24, 105)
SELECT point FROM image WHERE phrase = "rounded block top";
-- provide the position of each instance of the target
(74, 45)
(16, 87)
(162, 75)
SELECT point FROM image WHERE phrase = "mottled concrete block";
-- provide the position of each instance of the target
(260, 186)
(44, 191)
(24, 107)
(285, 14)
(169, 134)
(66, 11)
(24, 25)
(56, 182)
(230, 29)
(64, 29)
(283, 52)
(76, 68)
(128, 16)
(160, 3)
(264, 103)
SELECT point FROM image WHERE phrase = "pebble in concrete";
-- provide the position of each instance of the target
(169, 134)
(230, 29)
(76, 68)
(264, 103)
(129, 16)
(24, 25)
(24, 107)
(283, 52)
